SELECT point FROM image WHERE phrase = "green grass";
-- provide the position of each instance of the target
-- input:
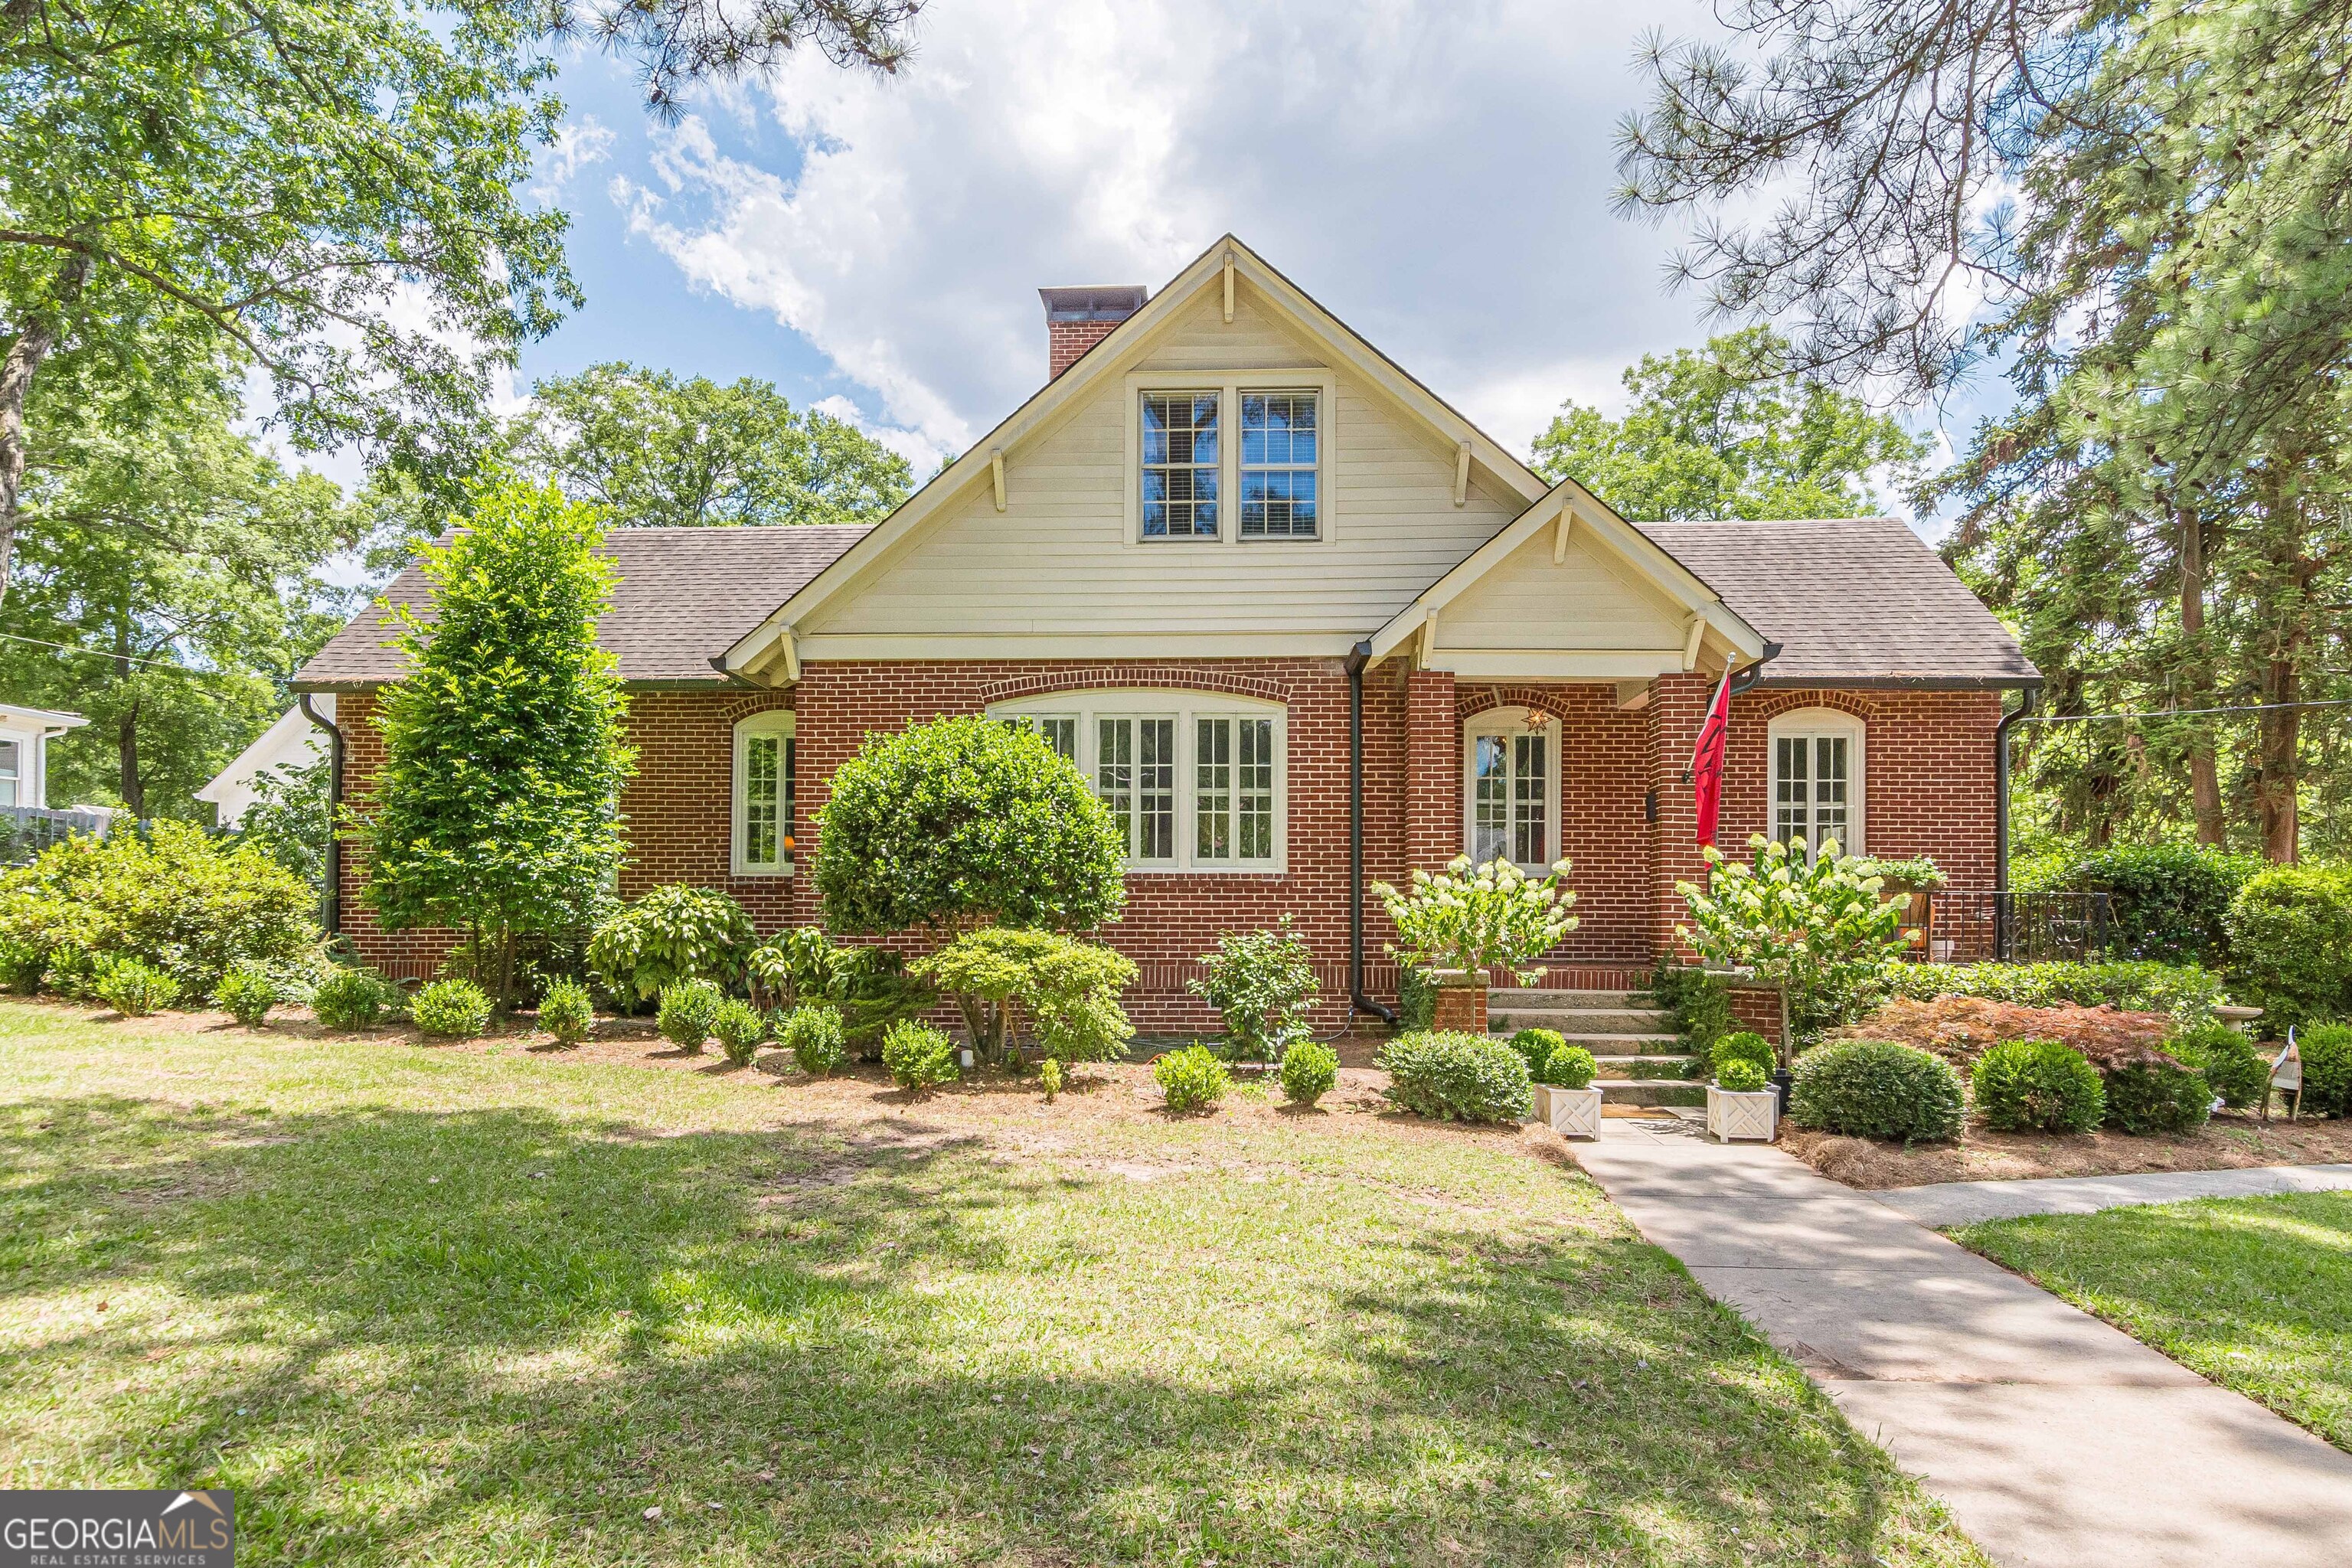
(2253, 1293)
(481, 1307)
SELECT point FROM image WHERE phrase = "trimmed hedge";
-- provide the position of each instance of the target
(1570, 1067)
(2239, 1073)
(2291, 944)
(1877, 1089)
(1453, 1076)
(2157, 1097)
(2166, 901)
(2038, 1086)
(2327, 1053)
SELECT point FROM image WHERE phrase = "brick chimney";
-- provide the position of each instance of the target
(1078, 319)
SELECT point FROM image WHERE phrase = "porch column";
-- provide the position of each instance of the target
(1432, 812)
(1676, 710)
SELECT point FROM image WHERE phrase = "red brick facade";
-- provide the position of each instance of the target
(1067, 341)
(1928, 775)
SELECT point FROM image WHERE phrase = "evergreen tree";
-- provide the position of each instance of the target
(494, 811)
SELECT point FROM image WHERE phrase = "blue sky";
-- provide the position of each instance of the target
(1438, 174)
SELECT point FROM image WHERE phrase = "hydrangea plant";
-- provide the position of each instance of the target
(1815, 924)
(1479, 917)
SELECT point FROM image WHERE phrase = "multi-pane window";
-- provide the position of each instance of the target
(1193, 782)
(1812, 790)
(1280, 452)
(1179, 465)
(763, 794)
(12, 773)
(1513, 794)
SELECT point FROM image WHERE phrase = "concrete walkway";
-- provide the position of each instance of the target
(2053, 1439)
(1945, 1204)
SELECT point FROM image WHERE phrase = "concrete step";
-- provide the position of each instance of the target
(1533, 999)
(1581, 1020)
(1643, 1068)
(1649, 1091)
(1594, 1041)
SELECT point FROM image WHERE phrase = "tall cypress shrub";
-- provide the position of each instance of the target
(495, 813)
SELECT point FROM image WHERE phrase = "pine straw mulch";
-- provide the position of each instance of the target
(2232, 1140)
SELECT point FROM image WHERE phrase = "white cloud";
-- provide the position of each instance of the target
(579, 144)
(1437, 174)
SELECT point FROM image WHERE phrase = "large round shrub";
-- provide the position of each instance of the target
(2291, 944)
(2327, 1053)
(2166, 901)
(965, 820)
(2038, 1086)
(2239, 1073)
(2157, 1097)
(1875, 1088)
(1460, 1077)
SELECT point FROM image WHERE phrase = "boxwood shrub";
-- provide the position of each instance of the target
(1744, 1046)
(355, 999)
(2157, 1097)
(452, 1009)
(1193, 1079)
(1309, 1071)
(1741, 1075)
(813, 1031)
(2038, 1086)
(917, 1055)
(1453, 1076)
(1570, 1067)
(1877, 1089)
(1534, 1047)
(2327, 1053)
(567, 1012)
(688, 1009)
(2238, 1073)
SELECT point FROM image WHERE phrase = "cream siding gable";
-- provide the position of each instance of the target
(1058, 561)
(1589, 602)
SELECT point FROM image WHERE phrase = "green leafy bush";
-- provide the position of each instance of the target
(688, 1009)
(1739, 1075)
(1049, 1078)
(1875, 1088)
(2038, 1086)
(964, 819)
(1699, 1003)
(1069, 989)
(2157, 1097)
(812, 1033)
(1816, 924)
(567, 1010)
(674, 932)
(2166, 901)
(869, 985)
(453, 1009)
(1311, 1069)
(134, 989)
(1416, 1000)
(1262, 983)
(1534, 1047)
(739, 1028)
(166, 894)
(2327, 1053)
(1570, 1067)
(1744, 1046)
(2184, 991)
(355, 999)
(1915, 874)
(918, 1056)
(1453, 1076)
(2291, 944)
(247, 992)
(2236, 1071)
(1193, 1079)
(1480, 918)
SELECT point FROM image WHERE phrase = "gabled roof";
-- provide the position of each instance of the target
(1208, 273)
(1852, 601)
(683, 596)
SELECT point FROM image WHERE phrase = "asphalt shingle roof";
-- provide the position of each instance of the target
(685, 596)
(1849, 600)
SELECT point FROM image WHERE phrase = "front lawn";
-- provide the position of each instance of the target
(484, 1306)
(2254, 1293)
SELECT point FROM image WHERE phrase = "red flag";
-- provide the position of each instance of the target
(1707, 759)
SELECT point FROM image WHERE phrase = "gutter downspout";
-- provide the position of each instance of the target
(333, 899)
(1357, 658)
(2001, 818)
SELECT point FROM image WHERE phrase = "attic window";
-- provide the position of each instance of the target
(1179, 465)
(1279, 448)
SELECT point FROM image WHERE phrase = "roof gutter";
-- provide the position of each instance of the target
(1358, 656)
(1746, 679)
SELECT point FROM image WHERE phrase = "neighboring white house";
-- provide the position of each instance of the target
(25, 737)
(293, 743)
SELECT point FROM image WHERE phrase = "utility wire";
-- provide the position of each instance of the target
(2183, 712)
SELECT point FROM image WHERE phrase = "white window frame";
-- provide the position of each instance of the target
(1810, 724)
(1510, 723)
(1230, 385)
(15, 777)
(1185, 708)
(779, 722)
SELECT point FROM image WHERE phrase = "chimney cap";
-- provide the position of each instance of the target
(1094, 301)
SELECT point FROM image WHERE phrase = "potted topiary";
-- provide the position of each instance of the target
(1740, 1104)
(1566, 1100)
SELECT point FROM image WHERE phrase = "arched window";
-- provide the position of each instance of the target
(1197, 781)
(1510, 788)
(1816, 788)
(764, 794)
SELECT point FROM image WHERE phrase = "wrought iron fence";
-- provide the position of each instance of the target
(1967, 925)
(27, 830)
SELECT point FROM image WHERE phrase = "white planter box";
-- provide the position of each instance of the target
(1570, 1112)
(1739, 1113)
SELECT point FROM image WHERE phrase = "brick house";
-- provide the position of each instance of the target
(1306, 627)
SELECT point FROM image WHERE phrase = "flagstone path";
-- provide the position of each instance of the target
(2054, 1439)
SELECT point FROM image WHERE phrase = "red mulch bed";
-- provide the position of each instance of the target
(1960, 1029)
